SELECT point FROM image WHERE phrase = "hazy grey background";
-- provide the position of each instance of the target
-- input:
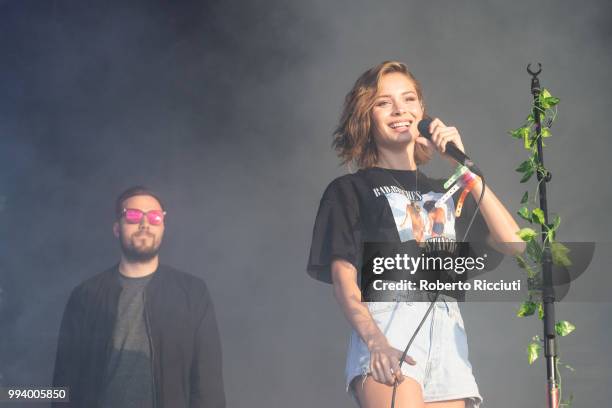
(227, 109)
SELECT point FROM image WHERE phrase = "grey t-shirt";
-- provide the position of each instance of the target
(129, 374)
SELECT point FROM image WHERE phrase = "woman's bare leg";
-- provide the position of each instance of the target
(460, 403)
(372, 394)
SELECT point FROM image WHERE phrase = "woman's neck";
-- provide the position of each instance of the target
(395, 160)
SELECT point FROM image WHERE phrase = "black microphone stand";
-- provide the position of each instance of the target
(548, 293)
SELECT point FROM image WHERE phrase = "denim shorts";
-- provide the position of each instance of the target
(440, 349)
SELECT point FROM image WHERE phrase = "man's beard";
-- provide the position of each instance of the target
(138, 254)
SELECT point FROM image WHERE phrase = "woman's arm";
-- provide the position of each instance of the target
(502, 226)
(383, 357)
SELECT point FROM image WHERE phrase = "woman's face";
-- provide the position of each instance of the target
(397, 111)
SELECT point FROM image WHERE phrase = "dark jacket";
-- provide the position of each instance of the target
(185, 347)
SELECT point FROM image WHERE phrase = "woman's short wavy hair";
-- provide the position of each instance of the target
(353, 138)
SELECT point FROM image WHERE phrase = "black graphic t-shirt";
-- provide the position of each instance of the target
(383, 205)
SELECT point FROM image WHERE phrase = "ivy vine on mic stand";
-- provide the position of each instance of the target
(533, 133)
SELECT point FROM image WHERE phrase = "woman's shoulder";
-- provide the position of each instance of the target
(344, 185)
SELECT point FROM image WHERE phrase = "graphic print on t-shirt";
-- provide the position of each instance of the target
(422, 220)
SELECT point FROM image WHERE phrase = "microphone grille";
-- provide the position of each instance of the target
(423, 127)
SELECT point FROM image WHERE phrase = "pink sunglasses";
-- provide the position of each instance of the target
(135, 216)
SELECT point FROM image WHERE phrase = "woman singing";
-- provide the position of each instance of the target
(389, 200)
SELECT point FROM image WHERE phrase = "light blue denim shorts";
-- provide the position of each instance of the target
(440, 349)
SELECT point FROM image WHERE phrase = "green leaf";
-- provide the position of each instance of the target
(546, 100)
(524, 265)
(534, 251)
(533, 280)
(559, 254)
(546, 132)
(540, 310)
(525, 131)
(556, 222)
(542, 170)
(526, 234)
(525, 197)
(544, 95)
(525, 166)
(526, 309)
(537, 215)
(533, 350)
(552, 228)
(524, 213)
(530, 118)
(551, 101)
(563, 328)
(527, 176)
(516, 133)
(521, 133)
(526, 141)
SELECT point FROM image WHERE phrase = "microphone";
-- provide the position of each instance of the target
(451, 149)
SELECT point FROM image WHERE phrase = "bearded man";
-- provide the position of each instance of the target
(140, 334)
